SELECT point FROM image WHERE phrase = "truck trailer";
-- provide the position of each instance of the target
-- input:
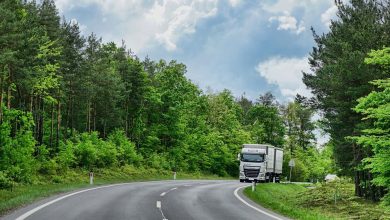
(260, 163)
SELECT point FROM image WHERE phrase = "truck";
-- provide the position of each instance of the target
(260, 163)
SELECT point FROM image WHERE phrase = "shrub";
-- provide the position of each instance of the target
(66, 156)
(5, 182)
(126, 153)
(17, 146)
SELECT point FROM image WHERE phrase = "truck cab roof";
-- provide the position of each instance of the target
(253, 151)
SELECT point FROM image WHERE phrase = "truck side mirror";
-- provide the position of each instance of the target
(238, 156)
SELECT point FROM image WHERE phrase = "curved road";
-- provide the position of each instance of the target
(159, 200)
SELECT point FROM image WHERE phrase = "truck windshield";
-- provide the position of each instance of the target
(252, 158)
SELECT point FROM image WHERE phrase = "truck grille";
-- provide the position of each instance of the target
(251, 172)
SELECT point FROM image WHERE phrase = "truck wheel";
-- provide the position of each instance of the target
(241, 180)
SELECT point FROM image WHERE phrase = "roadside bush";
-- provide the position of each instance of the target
(85, 151)
(126, 153)
(17, 146)
(106, 154)
(327, 193)
(90, 151)
(46, 165)
(5, 182)
(158, 161)
(66, 157)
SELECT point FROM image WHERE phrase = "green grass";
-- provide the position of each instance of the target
(45, 186)
(298, 202)
(282, 198)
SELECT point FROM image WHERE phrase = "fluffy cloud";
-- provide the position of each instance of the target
(328, 15)
(286, 73)
(279, 6)
(116, 7)
(287, 12)
(161, 21)
(178, 18)
(234, 3)
(288, 22)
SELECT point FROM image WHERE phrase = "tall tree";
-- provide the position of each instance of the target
(339, 76)
(376, 110)
(299, 127)
(11, 13)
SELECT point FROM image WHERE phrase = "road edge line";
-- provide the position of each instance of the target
(251, 206)
(32, 211)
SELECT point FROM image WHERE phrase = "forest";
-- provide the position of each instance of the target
(70, 102)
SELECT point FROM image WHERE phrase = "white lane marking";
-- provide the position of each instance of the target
(164, 193)
(257, 209)
(187, 185)
(32, 211)
(158, 205)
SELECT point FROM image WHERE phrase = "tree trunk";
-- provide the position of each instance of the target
(41, 121)
(127, 121)
(72, 116)
(1, 99)
(58, 124)
(9, 93)
(52, 125)
(104, 129)
(94, 116)
(357, 182)
(88, 117)
(33, 107)
(31, 103)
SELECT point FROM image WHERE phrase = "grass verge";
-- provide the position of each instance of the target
(298, 202)
(21, 195)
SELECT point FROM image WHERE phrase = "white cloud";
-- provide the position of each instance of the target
(179, 18)
(163, 21)
(328, 15)
(116, 7)
(286, 73)
(288, 22)
(280, 6)
(306, 10)
(234, 3)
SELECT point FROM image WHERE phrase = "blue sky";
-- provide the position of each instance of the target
(249, 47)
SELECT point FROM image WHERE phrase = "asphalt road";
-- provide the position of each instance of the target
(173, 200)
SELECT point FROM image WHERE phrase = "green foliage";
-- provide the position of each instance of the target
(282, 198)
(66, 156)
(337, 198)
(316, 201)
(93, 152)
(340, 76)
(126, 153)
(17, 146)
(375, 108)
(5, 182)
(266, 124)
(331, 193)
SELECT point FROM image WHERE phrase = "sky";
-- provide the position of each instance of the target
(249, 47)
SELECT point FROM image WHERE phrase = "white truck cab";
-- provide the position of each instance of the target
(260, 163)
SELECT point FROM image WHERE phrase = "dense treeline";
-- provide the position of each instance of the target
(70, 102)
(73, 102)
(340, 77)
